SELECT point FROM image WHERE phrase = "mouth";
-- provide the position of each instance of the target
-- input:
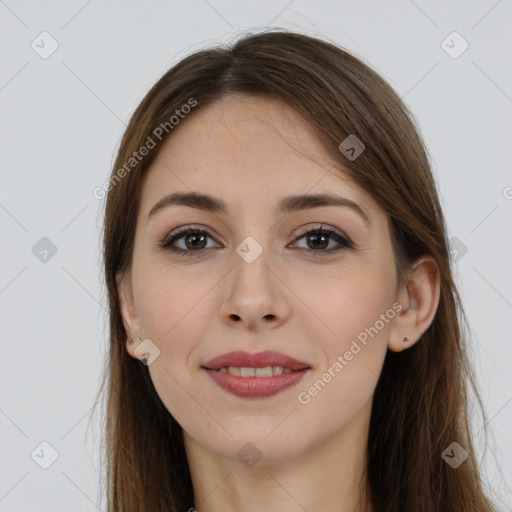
(255, 375)
(249, 371)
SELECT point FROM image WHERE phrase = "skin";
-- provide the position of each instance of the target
(245, 151)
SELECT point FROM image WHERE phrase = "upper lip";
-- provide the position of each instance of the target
(240, 359)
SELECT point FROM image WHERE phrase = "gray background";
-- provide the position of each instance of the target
(62, 118)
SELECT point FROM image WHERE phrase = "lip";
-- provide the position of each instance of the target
(255, 387)
(239, 358)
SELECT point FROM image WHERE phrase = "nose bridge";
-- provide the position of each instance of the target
(251, 275)
(253, 293)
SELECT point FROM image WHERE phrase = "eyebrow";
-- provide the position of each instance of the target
(288, 204)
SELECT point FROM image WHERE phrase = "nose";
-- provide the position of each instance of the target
(255, 296)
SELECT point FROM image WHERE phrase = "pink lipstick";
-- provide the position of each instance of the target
(255, 375)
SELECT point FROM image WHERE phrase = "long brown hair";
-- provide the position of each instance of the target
(420, 404)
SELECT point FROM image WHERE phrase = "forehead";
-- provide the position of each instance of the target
(247, 148)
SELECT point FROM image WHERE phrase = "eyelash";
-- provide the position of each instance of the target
(168, 240)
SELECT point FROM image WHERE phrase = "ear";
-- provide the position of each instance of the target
(419, 298)
(128, 312)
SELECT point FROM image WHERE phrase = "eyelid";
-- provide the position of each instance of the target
(303, 230)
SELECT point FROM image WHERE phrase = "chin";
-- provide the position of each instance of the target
(252, 449)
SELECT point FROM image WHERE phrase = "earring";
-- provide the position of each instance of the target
(134, 340)
(405, 340)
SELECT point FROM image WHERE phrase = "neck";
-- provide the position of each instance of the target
(328, 477)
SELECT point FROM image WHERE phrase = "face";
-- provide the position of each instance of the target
(257, 278)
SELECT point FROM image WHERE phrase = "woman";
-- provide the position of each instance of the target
(285, 331)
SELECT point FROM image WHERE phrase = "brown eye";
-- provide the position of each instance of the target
(192, 241)
(317, 240)
(196, 240)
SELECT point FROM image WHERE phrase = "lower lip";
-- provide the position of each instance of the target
(256, 387)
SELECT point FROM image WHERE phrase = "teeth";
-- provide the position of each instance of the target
(266, 371)
(263, 372)
(247, 372)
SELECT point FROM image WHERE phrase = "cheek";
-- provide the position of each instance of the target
(340, 305)
(356, 313)
(343, 384)
(170, 310)
(175, 313)
(170, 306)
